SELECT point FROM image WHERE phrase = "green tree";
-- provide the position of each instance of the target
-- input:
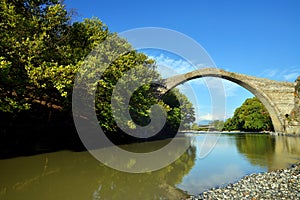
(251, 116)
(217, 124)
(140, 101)
(32, 53)
(181, 109)
(194, 126)
(41, 52)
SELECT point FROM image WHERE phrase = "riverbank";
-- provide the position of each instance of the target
(279, 184)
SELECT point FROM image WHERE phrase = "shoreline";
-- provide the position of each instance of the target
(241, 132)
(277, 184)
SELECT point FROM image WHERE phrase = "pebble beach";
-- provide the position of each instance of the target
(279, 184)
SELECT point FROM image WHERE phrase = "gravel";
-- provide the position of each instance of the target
(279, 184)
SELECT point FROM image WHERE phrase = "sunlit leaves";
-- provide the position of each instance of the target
(41, 51)
(251, 116)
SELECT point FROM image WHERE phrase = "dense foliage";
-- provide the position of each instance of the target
(251, 116)
(41, 51)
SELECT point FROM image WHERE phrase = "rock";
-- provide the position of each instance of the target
(280, 184)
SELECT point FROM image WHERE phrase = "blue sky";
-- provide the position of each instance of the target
(259, 38)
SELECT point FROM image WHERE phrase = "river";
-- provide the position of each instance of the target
(78, 175)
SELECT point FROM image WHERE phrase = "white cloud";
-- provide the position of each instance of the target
(291, 76)
(287, 74)
(172, 66)
(270, 72)
(207, 116)
(210, 117)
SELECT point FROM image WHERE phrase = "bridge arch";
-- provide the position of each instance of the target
(267, 91)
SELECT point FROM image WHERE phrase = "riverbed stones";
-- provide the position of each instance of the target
(280, 184)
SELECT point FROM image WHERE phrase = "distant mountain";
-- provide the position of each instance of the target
(204, 122)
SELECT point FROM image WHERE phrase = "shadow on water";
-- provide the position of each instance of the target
(77, 175)
(44, 130)
(28, 135)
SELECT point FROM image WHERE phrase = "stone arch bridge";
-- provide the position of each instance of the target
(277, 97)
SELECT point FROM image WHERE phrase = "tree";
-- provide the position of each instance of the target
(194, 126)
(217, 124)
(178, 109)
(32, 52)
(40, 53)
(182, 110)
(251, 116)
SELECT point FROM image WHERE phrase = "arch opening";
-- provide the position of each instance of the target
(277, 122)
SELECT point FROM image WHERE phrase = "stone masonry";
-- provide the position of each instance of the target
(280, 98)
(294, 118)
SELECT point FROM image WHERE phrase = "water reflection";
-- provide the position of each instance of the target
(77, 175)
(222, 165)
(273, 152)
(71, 175)
(237, 155)
(258, 149)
